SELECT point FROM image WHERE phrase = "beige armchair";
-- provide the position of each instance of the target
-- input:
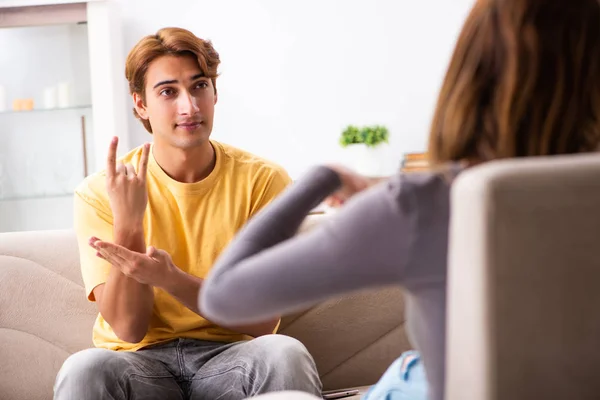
(524, 281)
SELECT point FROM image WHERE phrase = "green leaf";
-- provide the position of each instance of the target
(369, 135)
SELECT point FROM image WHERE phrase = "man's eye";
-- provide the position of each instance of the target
(166, 92)
(202, 85)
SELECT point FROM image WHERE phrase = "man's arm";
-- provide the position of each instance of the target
(156, 267)
(125, 303)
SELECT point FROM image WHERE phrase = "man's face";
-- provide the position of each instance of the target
(180, 102)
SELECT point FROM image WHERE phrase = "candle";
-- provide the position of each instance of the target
(64, 94)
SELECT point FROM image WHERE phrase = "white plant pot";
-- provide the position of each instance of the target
(368, 161)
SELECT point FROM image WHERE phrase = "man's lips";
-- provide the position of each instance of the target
(189, 126)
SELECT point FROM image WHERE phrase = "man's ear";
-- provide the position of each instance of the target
(140, 108)
(216, 96)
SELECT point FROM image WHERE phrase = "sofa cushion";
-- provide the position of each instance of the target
(44, 316)
(353, 339)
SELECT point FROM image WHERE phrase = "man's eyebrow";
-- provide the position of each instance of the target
(197, 76)
(164, 83)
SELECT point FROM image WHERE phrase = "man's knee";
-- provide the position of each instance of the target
(284, 352)
(92, 367)
(87, 363)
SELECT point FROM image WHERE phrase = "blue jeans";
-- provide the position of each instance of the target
(189, 369)
(404, 380)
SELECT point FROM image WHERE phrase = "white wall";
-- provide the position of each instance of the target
(36, 214)
(295, 73)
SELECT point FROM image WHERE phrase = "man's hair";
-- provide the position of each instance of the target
(168, 41)
(524, 80)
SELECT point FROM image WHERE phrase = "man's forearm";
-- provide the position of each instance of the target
(126, 303)
(186, 288)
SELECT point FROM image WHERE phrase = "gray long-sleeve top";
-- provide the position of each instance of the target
(394, 233)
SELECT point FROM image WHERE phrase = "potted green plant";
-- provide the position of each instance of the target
(370, 136)
(363, 146)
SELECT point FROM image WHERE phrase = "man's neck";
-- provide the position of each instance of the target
(186, 165)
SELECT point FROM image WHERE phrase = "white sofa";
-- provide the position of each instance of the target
(45, 317)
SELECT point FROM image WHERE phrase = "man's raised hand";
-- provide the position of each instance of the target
(127, 191)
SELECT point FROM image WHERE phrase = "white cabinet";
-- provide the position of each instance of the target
(62, 98)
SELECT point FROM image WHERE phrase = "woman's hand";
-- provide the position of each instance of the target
(352, 183)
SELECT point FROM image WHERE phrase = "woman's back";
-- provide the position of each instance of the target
(395, 233)
(425, 269)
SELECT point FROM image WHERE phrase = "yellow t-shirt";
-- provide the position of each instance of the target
(193, 222)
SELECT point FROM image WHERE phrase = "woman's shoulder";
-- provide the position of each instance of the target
(424, 186)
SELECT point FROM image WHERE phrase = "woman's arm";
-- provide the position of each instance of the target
(267, 271)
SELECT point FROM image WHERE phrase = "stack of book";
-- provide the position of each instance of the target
(413, 162)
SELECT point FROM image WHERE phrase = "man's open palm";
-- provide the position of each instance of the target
(151, 268)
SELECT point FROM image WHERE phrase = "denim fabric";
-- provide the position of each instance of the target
(404, 380)
(189, 369)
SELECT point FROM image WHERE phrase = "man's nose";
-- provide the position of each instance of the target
(186, 104)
